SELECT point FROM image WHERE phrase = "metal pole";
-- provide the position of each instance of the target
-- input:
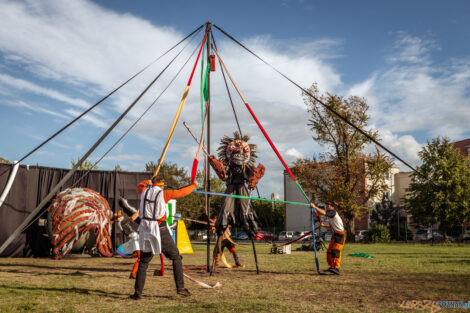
(115, 207)
(463, 231)
(254, 253)
(207, 182)
(406, 229)
(398, 224)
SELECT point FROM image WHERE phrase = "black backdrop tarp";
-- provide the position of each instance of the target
(33, 183)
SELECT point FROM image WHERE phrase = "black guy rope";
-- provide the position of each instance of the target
(132, 126)
(319, 101)
(104, 98)
(228, 90)
(140, 117)
(230, 97)
(74, 169)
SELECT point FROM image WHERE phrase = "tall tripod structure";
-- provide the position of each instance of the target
(207, 181)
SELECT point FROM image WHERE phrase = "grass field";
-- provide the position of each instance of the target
(287, 283)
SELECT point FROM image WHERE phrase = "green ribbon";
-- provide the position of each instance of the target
(250, 198)
(362, 255)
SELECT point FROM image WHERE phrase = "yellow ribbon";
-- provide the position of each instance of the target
(173, 126)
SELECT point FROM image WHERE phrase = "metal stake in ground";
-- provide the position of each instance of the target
(314, 241)
(254, 253)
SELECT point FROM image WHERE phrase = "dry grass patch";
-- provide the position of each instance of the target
(286, 283)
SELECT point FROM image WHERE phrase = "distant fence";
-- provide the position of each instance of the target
(201, 233)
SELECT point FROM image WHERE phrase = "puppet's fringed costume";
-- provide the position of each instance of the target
(79, 219)
(236, 166)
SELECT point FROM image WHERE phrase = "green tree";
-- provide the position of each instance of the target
(2, 160)
(440, 190)
(85, 166)
(269, 214)
(340, 173)
(194, 206)
(384, 212)
(377, 234)
(174, 175)
(118, 168)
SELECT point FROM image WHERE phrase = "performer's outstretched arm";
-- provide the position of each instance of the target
(178, 193)
(218, 167)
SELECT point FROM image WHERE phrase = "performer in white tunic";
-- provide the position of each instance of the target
(154, 233)
(334, 252)
(153, 210)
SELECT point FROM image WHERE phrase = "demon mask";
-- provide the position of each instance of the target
(236, 150)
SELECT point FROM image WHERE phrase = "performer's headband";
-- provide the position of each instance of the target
(333, 204)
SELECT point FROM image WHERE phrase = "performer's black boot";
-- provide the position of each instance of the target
(237, 262)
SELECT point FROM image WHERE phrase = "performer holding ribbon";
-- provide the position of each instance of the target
(154, 233)
(333, 255)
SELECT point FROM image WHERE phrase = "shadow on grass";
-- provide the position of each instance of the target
(76, 273)
(68, 290)
(467, 261)
(261, 271)
(47, 267)
(84, 291)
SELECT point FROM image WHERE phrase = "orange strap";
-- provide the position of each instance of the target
(161, 220)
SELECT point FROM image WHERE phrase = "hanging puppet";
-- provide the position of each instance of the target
(236, 166)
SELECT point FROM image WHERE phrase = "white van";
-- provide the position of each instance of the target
(286, 235)
(466, 234)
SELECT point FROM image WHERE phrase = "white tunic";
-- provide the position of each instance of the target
(335, 222)
(149, 231)
(132, 245)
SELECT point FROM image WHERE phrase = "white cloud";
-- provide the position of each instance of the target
(190, 152)
(412, 49)
(34, 107)
(80, 48)
(93, 119)
(90, 50)
(75, 40)
(26, 86)
(126, 157)
(136, 166)
(417, 95)
(119, 147)
(294, 154)
(406, 147)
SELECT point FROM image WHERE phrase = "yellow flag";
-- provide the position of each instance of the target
(182, 239)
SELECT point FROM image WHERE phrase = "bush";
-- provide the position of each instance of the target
(377, 234)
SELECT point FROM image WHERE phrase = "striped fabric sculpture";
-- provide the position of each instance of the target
(79, 219)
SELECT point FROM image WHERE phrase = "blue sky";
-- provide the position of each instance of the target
(409, 59)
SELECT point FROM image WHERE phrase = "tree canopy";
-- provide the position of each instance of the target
(174, 175)
(2, 160)
(340, 173)
(85, 166)
(440, 190)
